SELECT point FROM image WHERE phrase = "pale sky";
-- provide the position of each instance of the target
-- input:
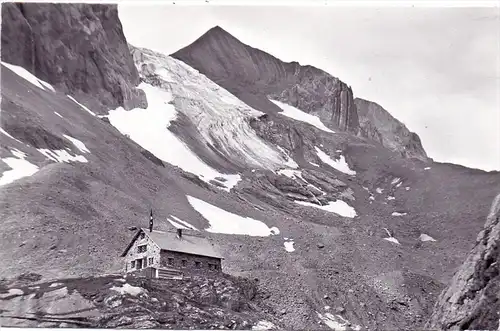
(437, 70)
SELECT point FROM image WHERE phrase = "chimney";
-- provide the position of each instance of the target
(151, 221)
(179, 233)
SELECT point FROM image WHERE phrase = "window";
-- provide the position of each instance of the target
(211, 266)
(150, 261)
(170, 261)
(216, 267)
(141, 249)
(132, 264)
(197, 264)
(184, 263)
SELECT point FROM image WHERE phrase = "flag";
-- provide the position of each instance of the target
(151, 221)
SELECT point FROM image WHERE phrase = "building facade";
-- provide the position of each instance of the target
(171, 250)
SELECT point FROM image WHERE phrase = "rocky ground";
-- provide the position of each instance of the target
(114, 301)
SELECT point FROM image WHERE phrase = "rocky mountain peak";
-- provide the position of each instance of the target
(258, 78)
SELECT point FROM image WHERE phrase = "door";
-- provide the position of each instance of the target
(139, 264)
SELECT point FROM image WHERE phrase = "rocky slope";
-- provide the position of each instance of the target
(80, 49)
(472, 300)
(379, 125)
(343, 222)
(118, 302)
(256, 77)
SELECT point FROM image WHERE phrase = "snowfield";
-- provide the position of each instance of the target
(340, 164)
(222, 221)
(149, 128)
(19, 168)
(299, 115)
(338, 207)
(25, 74)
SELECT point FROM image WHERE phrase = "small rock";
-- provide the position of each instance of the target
(283, 312)
(321, 245)
(340, 310)
(326, 297)
(53, 247)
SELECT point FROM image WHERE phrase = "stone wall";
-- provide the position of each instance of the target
(190, 264)
(152, 251)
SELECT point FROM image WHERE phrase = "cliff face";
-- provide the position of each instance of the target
(255, 77)
(472, 301)
(80, 49)
(377, 124)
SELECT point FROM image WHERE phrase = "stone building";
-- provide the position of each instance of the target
(171, 251)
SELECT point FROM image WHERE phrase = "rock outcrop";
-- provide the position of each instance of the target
(255, 77)
(377, 124)
(472, 300)
(79, 48)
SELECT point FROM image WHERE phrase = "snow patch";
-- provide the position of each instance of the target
(340, 165)
(407, 188)
(371, 197)
(427, 168)
(58, 114)
(25, 74)
(185, 224)
(82, 106)
(263, 325)
(290, 173)
(337, 322)
(222, 221)
(299, 115)
(275, 231)
(61, 155)
(55, 284)
(426, 237)
(395, 180)
(314, 164)
(12, 291)
(81, 146)
(398, 214)
(392, 239)
(289, 246)
(391, 198)
(19, 167)
(379, 190)
(338, 207)
(128, 289)
(8, 135)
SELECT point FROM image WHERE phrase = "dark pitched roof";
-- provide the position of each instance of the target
(169, 241)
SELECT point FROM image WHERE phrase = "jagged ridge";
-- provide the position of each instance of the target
(255, 77)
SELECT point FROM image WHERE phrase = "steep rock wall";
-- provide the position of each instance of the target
(472, 300)
(79, 48)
